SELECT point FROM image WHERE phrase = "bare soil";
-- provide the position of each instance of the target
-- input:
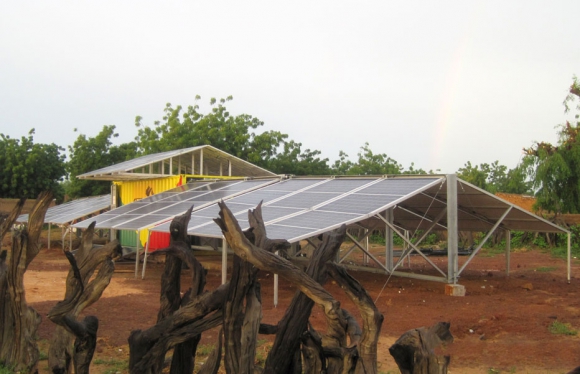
(501, 325)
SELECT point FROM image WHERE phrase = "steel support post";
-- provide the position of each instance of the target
(569, 254)
(389, 247)
(137, 253)
(145, 255)
(201, 161)
(508, 245)
(452, 230)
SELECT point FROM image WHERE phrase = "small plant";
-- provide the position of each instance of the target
(561, 328)
(493, 371)
(546, 269)
(5, 370)
(204, 349)
(113, 366)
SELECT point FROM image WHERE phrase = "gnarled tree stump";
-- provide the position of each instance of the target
(80, 293)
(18, 321)
(414, 350)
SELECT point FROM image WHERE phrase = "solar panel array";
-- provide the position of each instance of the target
(297, 209)
(166, 205)
(140, 161)
(72, 210)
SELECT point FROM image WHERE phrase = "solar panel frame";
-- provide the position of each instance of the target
(169, 205)
(67, 212)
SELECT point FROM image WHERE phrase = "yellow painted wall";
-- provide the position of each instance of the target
(130, 191)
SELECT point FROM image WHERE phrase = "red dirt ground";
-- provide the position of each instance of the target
(501, 325)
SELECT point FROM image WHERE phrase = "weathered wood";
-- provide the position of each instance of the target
(314, 361)
(372, 319)
(18, 321)
(178, 253)
(175, 325)
(212, 363)
(267, 261)
(82, 290)
(413, 351)
(7, 223)
(241, 325)
(294, 322)
(85, 332)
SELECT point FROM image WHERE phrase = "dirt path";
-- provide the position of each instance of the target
(502, 325)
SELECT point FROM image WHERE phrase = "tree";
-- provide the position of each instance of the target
(368, 163)
(28, 168)
(497, 178)
(88, 154)
(556, 168)
(293, 161)
(233, 134)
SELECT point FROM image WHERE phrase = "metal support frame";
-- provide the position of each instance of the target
(145, 255)
(508, 244)
(137, 253)
(569, 254)
(276, 286)
(452, 229)
(389, 246)
(362, 248)
(352, 248)
(484, 240)
(201, 161)
(412, 247)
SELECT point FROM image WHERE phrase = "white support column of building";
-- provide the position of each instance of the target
(171, 166)
(221, 169)
(224, 261)
(229, 168)
(366, 245)
(137, 253)
(145, 254)
(178, 164)
(201, 161)
(113, 232)
(508, 245)
(452, 230)
(192, 163)
(569, 254)
(389, 248)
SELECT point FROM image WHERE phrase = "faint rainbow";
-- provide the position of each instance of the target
(449, 96)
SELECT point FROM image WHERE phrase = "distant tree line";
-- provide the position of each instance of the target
(551, 172)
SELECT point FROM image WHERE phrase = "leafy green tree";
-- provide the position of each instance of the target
(28, 168)
(497, 178)
(557, 167)
(293, 161)
(368, 163)
(233, 134)
(88, 154)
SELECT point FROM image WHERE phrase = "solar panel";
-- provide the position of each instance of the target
(72, 210)
(166, 205)
(297, 209)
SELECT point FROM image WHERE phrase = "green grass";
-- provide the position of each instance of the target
(561, 328)
(5, 370)
(491, 252)
(204, 349)
(546, 269)
(113, 366)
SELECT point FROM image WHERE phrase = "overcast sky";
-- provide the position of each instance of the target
(434, 83)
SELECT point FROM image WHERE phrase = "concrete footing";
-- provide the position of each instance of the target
(454, 290)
